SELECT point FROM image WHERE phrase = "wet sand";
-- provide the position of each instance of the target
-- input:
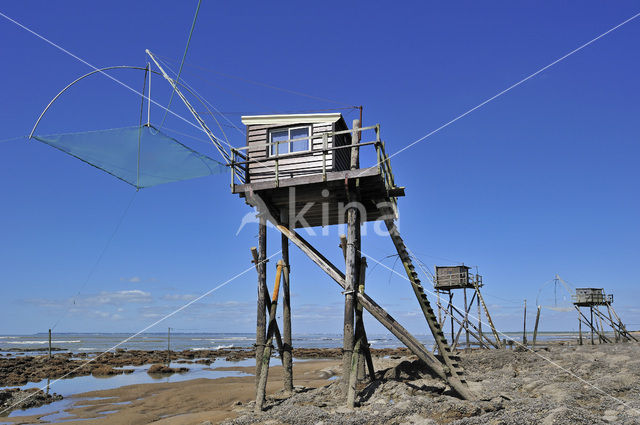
(187, 402)
(512, 387)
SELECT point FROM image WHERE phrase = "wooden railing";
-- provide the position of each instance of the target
(240, 161)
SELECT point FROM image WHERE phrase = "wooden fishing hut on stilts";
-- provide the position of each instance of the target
(455, 278)
(303, 170)
(594, 298)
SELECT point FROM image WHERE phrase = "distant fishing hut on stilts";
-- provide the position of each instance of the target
(303, 170)
(449, 279)
(594, 298)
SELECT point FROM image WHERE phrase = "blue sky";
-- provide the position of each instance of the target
(543, 180)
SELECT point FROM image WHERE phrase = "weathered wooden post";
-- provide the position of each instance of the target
(287, 355)
(616, 334)
(352, 266)
(524, 329)
(266, 354)
(451, 314)
(351, 277)
(480, 321)
(261, 319)
(49, 343)
(466, 320)
(579, 327)
(591, 324)
(168, 347)
(355, 151)
(535, 327)
(361, 353)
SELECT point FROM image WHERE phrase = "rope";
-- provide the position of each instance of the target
(270, 86)
(144, 86)
(184, 56)
(98, 260)
(12, 139)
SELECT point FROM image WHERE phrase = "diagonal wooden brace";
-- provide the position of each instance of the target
(378, 312)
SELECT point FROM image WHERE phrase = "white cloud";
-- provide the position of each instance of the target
(118, 297)
(179, 297)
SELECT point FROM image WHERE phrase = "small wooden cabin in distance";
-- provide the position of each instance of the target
(305, 170)
(585, 297)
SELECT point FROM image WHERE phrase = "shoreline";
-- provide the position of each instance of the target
(508, 381)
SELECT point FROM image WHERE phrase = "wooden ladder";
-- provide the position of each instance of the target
(451, 361)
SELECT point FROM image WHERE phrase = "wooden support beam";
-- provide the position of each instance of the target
(589, 323)
(266, 354)
(480, 317)
(369, 304)
(261, 319)
(361, 353)
(466, 324)
(486, 313)
(466, 319)
(351, 280)
(461, 323)
(535, 328)
(287, 355)
(579, 326)
(355, 151)
(267, 304)
(524, 325)
(621, 326)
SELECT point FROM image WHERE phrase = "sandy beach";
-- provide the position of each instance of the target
(558, 384)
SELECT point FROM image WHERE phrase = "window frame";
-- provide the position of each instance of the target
(309, 128)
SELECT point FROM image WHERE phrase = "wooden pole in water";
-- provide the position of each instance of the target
(266, 354)
(261, 318)
(535, 327)
(287, 356)
(49, 343)
(524, 329)
(168, 347)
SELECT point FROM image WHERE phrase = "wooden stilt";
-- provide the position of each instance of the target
(480, 317)
(524, 329)
(602, 339)
(49, 343)
(261, 319)
(579, 327)
(616, 334)
(267, 305)
(439, 309)
(351, 279)
(466, 320)
(168, 347)
(535, 327)
(486, 313)
(361, 352)
(266, 354)
(287, 355)
(451, 313)
(591, 324)
(379, 314)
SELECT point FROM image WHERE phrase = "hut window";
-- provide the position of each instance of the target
(282, 135)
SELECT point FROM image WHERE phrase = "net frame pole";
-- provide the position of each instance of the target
(191, 109)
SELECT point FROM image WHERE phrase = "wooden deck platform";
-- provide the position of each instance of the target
(317, 201)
